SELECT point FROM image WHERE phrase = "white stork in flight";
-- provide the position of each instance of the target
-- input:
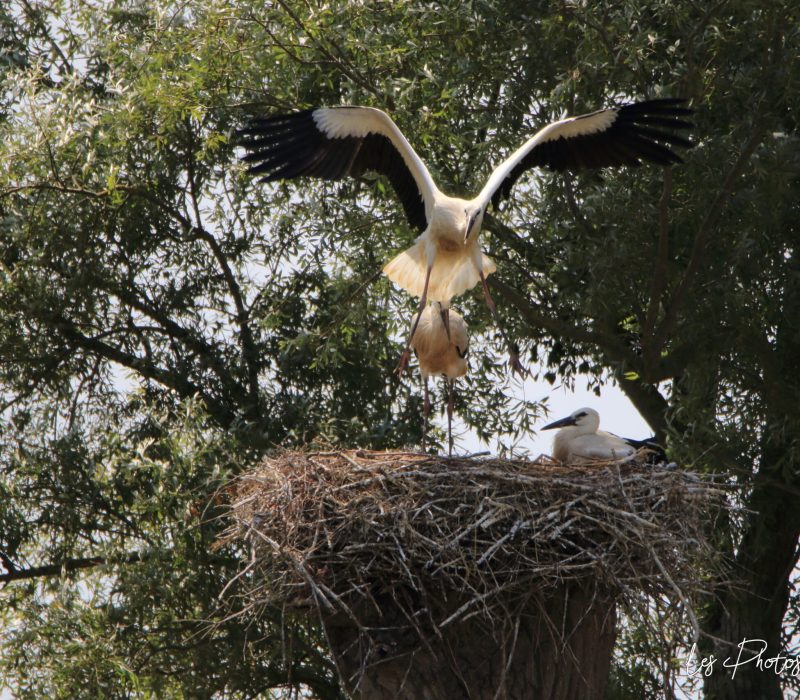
(446, 259)
(440, 343)
(580, 441)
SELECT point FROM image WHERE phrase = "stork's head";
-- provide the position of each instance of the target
(443, 308)
(585, 420)
(473, 216)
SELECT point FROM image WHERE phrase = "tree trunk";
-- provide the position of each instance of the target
(768, 552)
(559, 647)
(754, 607)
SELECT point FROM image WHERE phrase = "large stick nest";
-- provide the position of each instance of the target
(335, 529)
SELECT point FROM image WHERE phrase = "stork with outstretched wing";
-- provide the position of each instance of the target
(446, 259)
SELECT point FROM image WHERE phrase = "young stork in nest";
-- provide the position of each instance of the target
(446, 259)
(580, 441)
(440, 353)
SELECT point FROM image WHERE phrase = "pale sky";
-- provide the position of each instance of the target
(617, 415)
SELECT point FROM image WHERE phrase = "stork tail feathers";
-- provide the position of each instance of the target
(449, 278)
(407, 270)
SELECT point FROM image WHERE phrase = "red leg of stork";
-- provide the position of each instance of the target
(426, 409)
(513, 348)
(406, 354)
(450, 417)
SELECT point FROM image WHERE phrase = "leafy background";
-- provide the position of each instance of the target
(164, 320)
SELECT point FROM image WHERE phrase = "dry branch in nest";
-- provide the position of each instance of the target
(442, 540)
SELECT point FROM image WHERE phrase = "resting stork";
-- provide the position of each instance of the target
(446, 259)
(440, 344)
(579, 440)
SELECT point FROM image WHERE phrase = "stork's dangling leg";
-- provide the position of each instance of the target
(426, 410)
(513, 348)
(406, 354)
(450, 383)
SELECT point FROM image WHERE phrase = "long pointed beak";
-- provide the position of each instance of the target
(563, 423)
(468, 229)
(446, 320)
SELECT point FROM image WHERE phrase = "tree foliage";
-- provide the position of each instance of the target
(164, 320)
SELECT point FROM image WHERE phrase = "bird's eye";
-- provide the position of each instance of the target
(581, 414)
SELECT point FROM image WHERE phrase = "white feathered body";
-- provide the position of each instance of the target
(579, 439)
(456, 261)
(570, 447)
(439, 355)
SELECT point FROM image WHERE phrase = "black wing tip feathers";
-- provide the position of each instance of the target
(658, 454)
(642, 132)
(287, 146)
(650, 126)
(270, 140)
(260, 125)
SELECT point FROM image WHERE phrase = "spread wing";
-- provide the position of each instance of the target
(335, 142)
(626, 135)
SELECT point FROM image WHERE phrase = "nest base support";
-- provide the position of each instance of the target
(558, 646)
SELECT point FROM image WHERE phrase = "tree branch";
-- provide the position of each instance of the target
(146, 368)
(7, 563)
(659, 279)
(178, 332)
(35, 18)
(341, 62)
(648, 401)
(536, 318)
(509, 236)
(69, 565)
(250, 355)
(569, 195)
(701, 239)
